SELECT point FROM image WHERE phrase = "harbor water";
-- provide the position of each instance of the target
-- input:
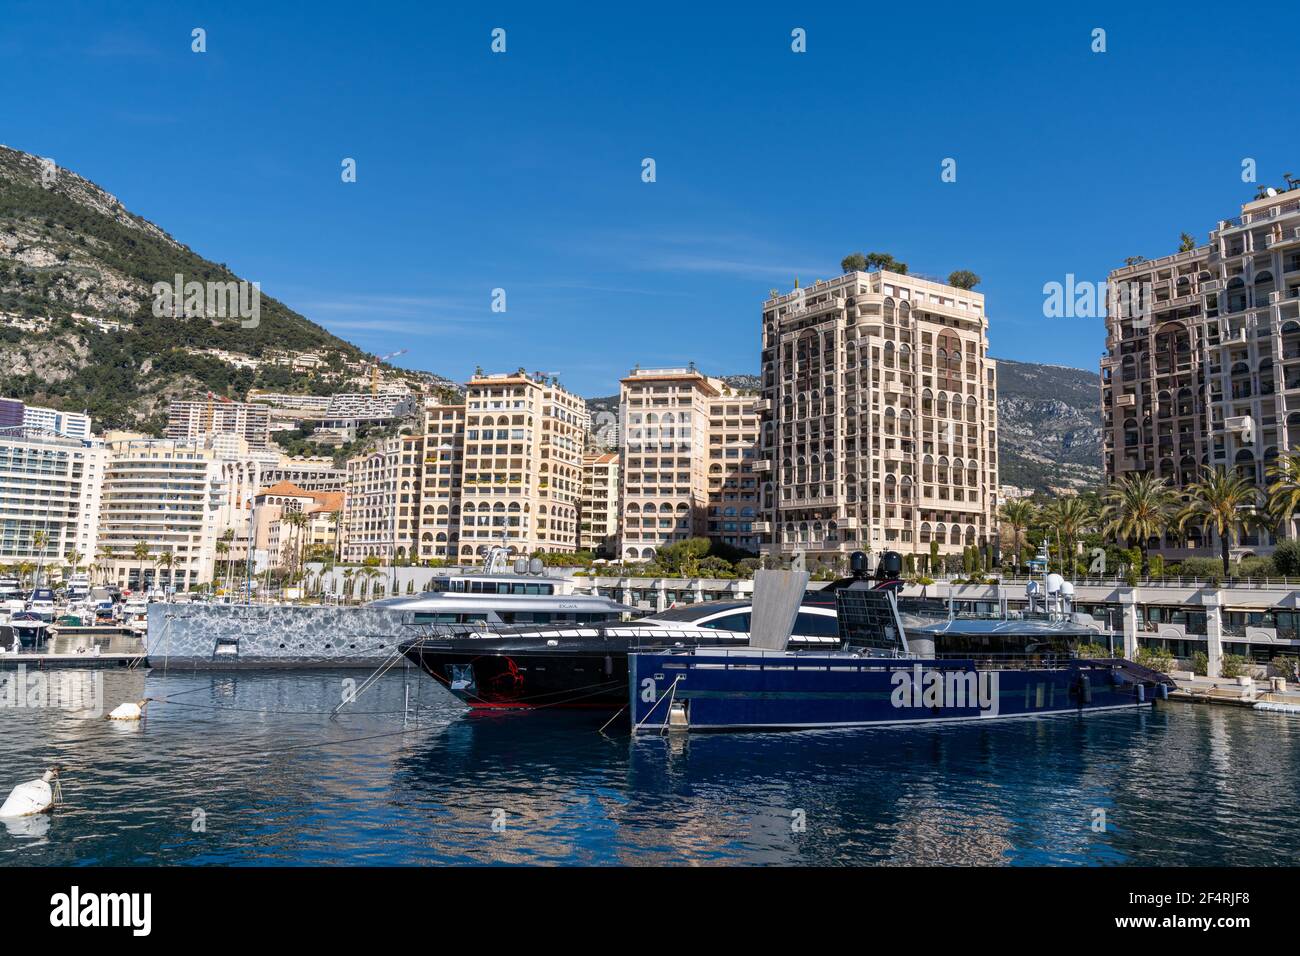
(249, 768)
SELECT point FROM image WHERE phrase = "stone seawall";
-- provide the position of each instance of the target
(238, 635)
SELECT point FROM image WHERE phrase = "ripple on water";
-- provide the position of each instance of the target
(243, 754)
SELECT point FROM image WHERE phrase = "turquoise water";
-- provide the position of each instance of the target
(248, 768)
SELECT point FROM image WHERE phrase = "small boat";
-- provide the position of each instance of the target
(877, 677)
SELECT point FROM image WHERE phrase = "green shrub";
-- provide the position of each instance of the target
(1286, 558)
(1157, 563)
(1288, 667)
(1201, 663)
(1156, 658)
(1256, 568)
(1234, 665)
(1091, 650)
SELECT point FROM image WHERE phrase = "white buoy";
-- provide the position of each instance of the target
(129, 711)
(1277, 707)
(34, 796)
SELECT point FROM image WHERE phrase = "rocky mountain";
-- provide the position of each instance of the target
(1049, 419)
(78, 328)
(1049, 423)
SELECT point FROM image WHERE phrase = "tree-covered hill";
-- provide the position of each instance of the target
(77, 324)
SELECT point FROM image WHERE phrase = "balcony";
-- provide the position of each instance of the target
(762, 527)
(762, 464)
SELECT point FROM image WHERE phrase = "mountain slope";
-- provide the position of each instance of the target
(77, 329)
(1049, 420)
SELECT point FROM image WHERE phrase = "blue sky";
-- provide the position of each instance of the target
(523, 170)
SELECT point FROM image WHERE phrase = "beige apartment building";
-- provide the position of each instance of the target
(166, 495)
(194, 420)
(381, 501)
(732, 481)
(522, 471)
(1202, 363)
(879, 419)
(689, 451)
(598, 512)
(444, 450)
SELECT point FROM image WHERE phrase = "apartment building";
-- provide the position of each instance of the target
(280, 539)
(49, 484)
(598, 510)
(440, 499)
(168, 496)
(732, 506)
(1202, 362)
(522, 464)
(381, 501)
(879, 418)
(664, 417)
(194, 420)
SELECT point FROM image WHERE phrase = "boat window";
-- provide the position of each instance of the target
(729, 622)
(820, 625)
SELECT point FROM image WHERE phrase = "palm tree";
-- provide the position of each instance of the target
(25, 569)
(223, 549)
(105, 562)
(1138, 507)
(1284, 490)
(73, 559)
(141, 553)
(347, 583)
(1073, 518)
(40, 541)
(228, 538)
(1225, 503)
(1019, 515)
(165, 560)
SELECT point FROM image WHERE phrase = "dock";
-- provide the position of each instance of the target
(1233, 692)
(47, 661)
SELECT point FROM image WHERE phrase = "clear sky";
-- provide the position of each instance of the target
(522, 170)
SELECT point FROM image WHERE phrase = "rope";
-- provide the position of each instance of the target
(611, 720)
(371, 680)
(656, 706)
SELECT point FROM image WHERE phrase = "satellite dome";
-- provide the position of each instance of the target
(1031, 588)
(1054, 582)
(1067, 589)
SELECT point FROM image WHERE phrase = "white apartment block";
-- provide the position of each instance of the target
(194, 420)
(167, 495)
(440, 499)
(522, 465)
(1202, 367)
(879, 406)
(598, 510)
(68, 424)
(48, 484)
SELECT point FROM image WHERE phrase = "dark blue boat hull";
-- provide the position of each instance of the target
(806, 691)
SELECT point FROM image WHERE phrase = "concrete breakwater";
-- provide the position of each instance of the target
(239, 635)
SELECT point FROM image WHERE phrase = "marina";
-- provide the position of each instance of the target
(278, 782)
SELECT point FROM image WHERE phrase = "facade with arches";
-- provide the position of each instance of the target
(1202, 368)
(878, 418)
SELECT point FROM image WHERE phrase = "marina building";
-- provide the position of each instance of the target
(522, 464)
(440, 499)
(49, 484)
(196, 420)
(1202, 362)
(166, 496)
(879, 419)
(733, 483)
(598, 511)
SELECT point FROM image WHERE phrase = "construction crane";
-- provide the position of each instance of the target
(374, 369)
